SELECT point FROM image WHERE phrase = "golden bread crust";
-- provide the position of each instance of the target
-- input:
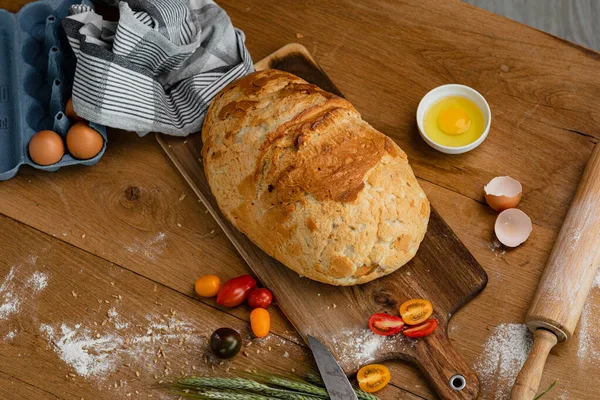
(305, 178)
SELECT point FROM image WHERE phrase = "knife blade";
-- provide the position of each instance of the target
(337, 384)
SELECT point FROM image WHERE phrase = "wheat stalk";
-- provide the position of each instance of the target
(270, 387)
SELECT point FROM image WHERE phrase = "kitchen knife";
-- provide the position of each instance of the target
(337, 384)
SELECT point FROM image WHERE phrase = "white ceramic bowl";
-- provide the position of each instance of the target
(441, 92)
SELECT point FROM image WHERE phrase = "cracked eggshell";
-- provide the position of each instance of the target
(503, 192)
(513, 227)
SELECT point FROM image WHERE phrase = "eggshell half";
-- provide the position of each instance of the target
(503, 192)
(513, 227)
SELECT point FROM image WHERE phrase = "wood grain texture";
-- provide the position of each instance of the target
(442, 271)
(574, 20)
(384, 56)
(76, 304)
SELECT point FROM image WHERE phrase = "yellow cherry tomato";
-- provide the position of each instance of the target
(373, 377)
(415, 311)
(260, 321)
(208, 285)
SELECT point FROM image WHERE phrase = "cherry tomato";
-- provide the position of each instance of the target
(208, 285)
(234, 291)
(260, 321)
(225, 343)
(373, 377)
(385, 324)
(421, 330)
(260, 298)
(415, 311)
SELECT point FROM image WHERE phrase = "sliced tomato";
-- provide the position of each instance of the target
(421, 330)
(373, 377)
(416, 311)
(385, 324)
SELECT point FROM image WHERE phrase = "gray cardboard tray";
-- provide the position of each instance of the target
(37, 67)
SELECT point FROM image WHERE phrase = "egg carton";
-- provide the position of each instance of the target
(37, 67)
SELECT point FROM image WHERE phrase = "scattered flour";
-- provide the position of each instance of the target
(504, 353)
(13, 294)
(151, 248)
(10, 302)
(10, 336)
(114, 317)
(496, 247)
(354, 348)
(38, 281)
(88, 355)
(589, 327)
(94, 353)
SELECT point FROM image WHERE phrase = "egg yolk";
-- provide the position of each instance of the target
(454, 121)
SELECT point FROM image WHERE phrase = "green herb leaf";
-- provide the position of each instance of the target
(545, 392)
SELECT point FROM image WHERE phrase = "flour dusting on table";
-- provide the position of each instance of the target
(10, 336)
(504, 353)
(496, 247)
(38, 281)
(151, 248)
(13, 292)
(87, 354)
(96, 350)
(10, 301)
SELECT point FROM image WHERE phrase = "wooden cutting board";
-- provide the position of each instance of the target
(443, 271)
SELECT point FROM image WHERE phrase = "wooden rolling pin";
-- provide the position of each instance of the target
(567, 279)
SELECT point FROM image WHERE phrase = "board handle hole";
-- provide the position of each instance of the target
(458, 382)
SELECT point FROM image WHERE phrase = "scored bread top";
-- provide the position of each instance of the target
(306, 179)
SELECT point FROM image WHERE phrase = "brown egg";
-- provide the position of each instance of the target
(46, 148)
(84, 142)
(70, 111)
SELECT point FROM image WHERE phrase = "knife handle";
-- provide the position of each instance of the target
(447, 373)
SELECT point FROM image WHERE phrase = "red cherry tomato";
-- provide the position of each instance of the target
(421, 330)
(385, 324)
(260, 298)
(233, 292)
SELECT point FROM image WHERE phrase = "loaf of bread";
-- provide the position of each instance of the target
(306, 179)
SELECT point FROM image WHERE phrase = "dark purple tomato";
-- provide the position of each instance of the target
(225, 343)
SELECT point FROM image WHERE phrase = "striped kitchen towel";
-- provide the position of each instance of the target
(158, 67)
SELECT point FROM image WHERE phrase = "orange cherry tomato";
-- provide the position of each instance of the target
(416, 311)
(421, 330)
(208, 285)
(260, 321)
(373, 377)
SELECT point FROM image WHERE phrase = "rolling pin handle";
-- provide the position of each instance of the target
(528, 380)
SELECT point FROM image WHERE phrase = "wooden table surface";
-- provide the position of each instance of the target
(100, 262)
